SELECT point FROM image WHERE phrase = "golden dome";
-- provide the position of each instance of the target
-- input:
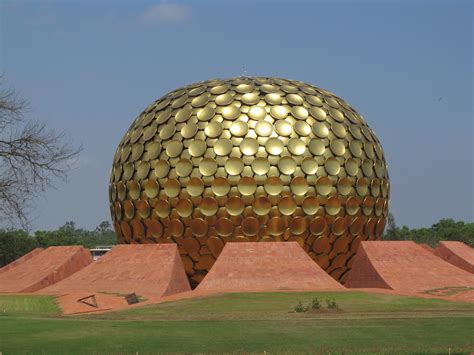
(250, 159)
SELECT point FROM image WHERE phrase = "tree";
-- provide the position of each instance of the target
(392, 232)
(14, 244)
(32, 158)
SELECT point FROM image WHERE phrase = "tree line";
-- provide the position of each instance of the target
(17, 242)
(443, 230)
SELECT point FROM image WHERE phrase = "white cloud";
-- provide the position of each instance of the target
(167, 12)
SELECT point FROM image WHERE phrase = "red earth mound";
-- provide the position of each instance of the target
(149, 270)
(21, 260)
(248, 267)
(44, 269)
(458, 254)
(404, 266)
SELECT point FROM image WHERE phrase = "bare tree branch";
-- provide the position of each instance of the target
(32, 158)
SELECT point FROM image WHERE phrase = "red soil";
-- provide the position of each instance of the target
(44, 269)
(248, 267)
(458, 254)
(403, 266)
(21, 260)
(149, 270)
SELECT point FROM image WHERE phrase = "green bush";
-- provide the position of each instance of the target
(315, 304)
(331, 304)
(300, 307)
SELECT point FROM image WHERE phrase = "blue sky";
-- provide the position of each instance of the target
(89, 68)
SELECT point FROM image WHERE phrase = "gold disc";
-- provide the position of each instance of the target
(299, 186)
(297, 225)
(223, 147)
(318, 225)
(220, 186)
(234, 166)
(302, 128)
(250, 226)
(273, 185)
(316, 146)
(333, 205)
(337, 147)
(274, 146)
(287, 205)
(151, 188)
(257, 113)
(176, 228)
(206, 113)
(279, 112)
(247, 186)
(287, 165)
(262, 205)
(260, 166)
(263, 128)
(213, 129)
(320, 129)
(235, 206)
(248, 146)
(332, 166)
(344, 186)
(276, 226)
(199, 227)
(239, 128)
(283, 128)
(323, 185)
(309, 166)
(207, 167)
(224, 227)
(172, 187)
(296, 146)
(184, 207)
(352, 205)
(162, 167)
(310, 205)
(299, 112)
(208, 206)
(161, 208)
(318, 113)
(184, 167)
(231, 112)
(197, 148)
(195, 187)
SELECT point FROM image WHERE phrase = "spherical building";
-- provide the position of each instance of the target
(250, 159)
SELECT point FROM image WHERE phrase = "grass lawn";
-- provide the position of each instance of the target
(251, 323)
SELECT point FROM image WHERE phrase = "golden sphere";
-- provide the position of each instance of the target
(250, 159)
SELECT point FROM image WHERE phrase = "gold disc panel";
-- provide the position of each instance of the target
(250, 159)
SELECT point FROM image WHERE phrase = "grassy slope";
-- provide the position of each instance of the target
(246, 322)
(26, 305)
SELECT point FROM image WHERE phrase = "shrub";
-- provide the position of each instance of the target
(300, 307)
(315, 304)
(331, 304)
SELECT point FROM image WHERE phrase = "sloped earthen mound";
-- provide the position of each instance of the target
(458, 254)
(150, 270)
(247, 267)
(44, 269)
(21, 260)
(403, 266)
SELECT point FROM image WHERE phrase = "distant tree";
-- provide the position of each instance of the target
(32, 157)
(68, 234)
(14, 244)
(104, 227)
(392, 232)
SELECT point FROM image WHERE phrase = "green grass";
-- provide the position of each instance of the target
(26, 305)
(280, 305)
(246, 322)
